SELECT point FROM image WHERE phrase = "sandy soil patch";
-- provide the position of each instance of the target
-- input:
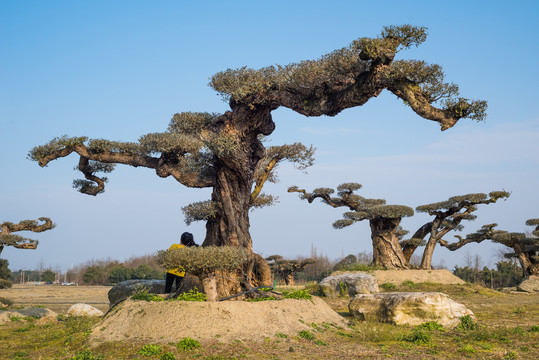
(171, 321)
(397, 277)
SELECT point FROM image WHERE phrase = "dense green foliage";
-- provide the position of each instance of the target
(506, 274)
(48, 276)
(203, 260)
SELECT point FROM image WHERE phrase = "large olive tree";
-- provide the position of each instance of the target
(222, 151)
(525, 246)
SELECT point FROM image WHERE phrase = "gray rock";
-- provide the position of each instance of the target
(530, 284)
(126, 288)
(412, 308)
(349, 284)
(83, 310)
(38, 313)
(190, 282)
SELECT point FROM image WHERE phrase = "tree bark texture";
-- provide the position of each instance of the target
(385, 243)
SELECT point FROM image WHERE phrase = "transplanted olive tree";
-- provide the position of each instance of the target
(7, 238)
(384, 220)
(389, 250)
(448, 216)
(525, 248)
(286, 269)
(222, 151)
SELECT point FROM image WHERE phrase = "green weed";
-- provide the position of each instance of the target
(281, 335)
(418, 336)
(143, 294)
(167, 356)
(467, 323)
(150, 350)
(86, 355)
(297, 294)
(192, 295)
(306, 334)
(468, 349)
(388, 286)
(187, 344)
(431, 326)
(321, 343)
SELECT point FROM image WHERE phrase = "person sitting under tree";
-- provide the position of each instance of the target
(177, 274)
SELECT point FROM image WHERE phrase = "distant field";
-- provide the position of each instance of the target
(58, 298)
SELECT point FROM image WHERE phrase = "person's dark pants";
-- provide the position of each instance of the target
(169, 280)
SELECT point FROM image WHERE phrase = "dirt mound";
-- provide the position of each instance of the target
(397, 277)
(171, 321)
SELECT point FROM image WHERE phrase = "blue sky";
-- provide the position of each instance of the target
(118, 70)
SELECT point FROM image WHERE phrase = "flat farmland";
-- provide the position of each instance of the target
(57, 298)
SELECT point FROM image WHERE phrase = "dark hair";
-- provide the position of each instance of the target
(187, 239)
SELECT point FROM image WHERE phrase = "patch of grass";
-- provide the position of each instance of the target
(187, 344)
(409, 284)
(297, 294)
(313, 289)
(281, 335)
(143, 294)
(192, 295)
(150, 350)
(467, 323)
(388, 287)
(168, 356)
(306, 334)
(431, 326)
(535, 328)
(345, 334)
(467, 349)
(321, 343)
(86, 355)
(418, 336)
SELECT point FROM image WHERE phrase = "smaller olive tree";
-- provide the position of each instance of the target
(207, 263)
(525, 248)
(7, 238)
(384, 220)
(448, 216)
(285, 269)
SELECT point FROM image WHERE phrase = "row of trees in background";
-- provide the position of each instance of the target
(95, 272)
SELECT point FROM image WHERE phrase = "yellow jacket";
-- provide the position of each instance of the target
(179, 271)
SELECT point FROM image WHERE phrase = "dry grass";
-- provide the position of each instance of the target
(508, 328)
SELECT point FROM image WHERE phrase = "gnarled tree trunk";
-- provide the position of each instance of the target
(385, 243)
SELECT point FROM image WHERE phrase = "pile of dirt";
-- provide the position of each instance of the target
(171, 321)
(397, 277)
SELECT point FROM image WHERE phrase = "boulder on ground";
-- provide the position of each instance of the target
(530, 284)
(127, 288)
(83, 310)
(411, 308)
(43, 315)
(190, 282)
(349, 284)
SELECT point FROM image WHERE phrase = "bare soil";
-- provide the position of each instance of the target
(227, 321)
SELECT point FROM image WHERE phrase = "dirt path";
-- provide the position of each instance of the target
(57, 298)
